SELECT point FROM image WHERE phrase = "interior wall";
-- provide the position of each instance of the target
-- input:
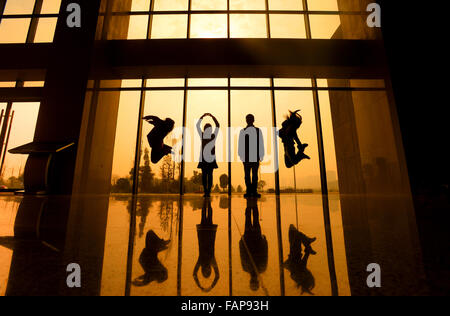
(377, 210)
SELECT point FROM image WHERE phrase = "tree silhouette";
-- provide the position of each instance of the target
(224, 181)
(261, 185)
(145, 174)
(216, 189)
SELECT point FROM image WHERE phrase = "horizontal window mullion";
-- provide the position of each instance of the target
(29, 16)
(225, 88)
(239, 12)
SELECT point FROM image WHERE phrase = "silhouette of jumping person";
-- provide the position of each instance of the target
(297, 263)
(207, 162)
(206, 232)
(253, 246)
(156, 137)
(251, 152)
(289, 137)
(153, 268)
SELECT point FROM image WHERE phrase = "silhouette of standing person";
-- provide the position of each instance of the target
(153, 268)
(251, 152)
(206, 232)
(289, 137)
(208, 152)
(253, 246)
(297, 261)
(156, 137)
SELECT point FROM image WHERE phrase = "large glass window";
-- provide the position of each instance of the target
(26, 21)
(245, 19)
(302, 207)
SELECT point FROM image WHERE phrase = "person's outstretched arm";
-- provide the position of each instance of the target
(153, 120)
(199, 126)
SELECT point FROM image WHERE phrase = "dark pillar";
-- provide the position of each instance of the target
(61, 110)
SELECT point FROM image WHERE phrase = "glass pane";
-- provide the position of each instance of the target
(288, 82)
(19, 7)
(14, 30)
(51, 6)
(156, 83)
(328, 141)
(247, 4)
(138, 27)
(250, 82)
(169, 26)
(308, 170)
(353, 83)
(287, 26)
(171, 5)
(132, 83)
(45, 30)
(248, 26)
(285, 5)
(7, 84)
(208, 82)
(38, 84)
(209, 4)
(163, 176)
(258, 103)
(125, 143)
(140, 5)
(22, 122)
(325, 26)
(200, 103)
(208, 26)
(324, 5)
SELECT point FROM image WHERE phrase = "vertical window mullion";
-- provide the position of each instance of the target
(184, 130)
(307, 21)
(34, 21)
(189, 20)
(150, 19)
(268, 19)
(228, 26)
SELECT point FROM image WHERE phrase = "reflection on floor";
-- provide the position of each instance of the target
(179, 246)
(225, 247)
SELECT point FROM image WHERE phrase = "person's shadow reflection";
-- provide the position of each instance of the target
(297, 262)
(206, 232)
(153, 268)
(253, 245)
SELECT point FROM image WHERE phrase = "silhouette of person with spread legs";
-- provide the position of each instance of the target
(208, 152)
(251, 152)
(289, 137)
(206, 232)
(297, 261)
(253, 246)
(153, 268)
(156, 137)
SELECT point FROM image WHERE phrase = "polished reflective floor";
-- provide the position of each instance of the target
(185, 246)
